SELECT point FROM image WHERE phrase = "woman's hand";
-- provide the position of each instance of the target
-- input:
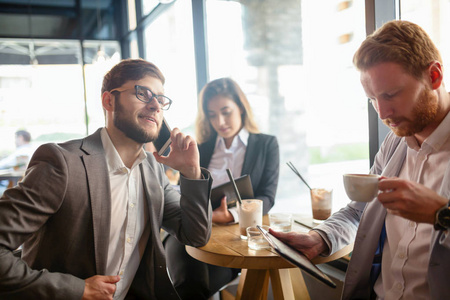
(221, 214)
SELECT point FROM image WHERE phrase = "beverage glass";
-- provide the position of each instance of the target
(280, 221)
(321, 204)
(255, 238)
(250, 214)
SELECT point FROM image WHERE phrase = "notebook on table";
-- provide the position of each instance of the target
(295, 257)
(244, 186)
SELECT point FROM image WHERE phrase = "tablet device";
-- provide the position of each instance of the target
(296, 257)
(244, 186)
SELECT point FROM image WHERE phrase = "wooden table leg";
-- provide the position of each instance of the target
(299, 285)
(281, 284)
(253, 284)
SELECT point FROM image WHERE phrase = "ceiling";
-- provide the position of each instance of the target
(55, 18)
(29, 28)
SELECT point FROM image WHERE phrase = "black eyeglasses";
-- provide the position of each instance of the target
(146, 95)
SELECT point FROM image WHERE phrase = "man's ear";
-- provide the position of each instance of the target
(108, 101)
(435, 74)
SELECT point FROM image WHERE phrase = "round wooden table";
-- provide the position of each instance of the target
(225, 248)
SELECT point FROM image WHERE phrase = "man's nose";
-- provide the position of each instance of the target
(383, 109)
(153, 104)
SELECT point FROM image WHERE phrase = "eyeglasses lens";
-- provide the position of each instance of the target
(145, 95)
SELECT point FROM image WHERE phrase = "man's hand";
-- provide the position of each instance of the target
(311, 244)
(410, 200)
(100, 287)
(221, 214)
(183, 155)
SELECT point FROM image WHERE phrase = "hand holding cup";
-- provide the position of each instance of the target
(361, 187)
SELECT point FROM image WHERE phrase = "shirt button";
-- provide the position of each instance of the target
(121, 273)
(401, 255)
(129, 240)
(398, 286)
(131, 205)
(411, 224)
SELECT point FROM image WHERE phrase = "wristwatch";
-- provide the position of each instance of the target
(442, 221)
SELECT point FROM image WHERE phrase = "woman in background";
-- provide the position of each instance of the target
(228, 137)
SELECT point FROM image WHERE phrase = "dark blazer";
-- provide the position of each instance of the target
(60, 212)
(261, 162)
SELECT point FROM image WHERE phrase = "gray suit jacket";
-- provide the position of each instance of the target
(341, 228)
(60, 212)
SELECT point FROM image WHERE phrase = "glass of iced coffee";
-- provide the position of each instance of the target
(250, 214)
(321, 204)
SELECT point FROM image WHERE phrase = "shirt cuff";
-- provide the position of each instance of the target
(233, 211)
(325, 238)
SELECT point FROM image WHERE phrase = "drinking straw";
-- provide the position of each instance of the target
(234, 185)
(294, 169)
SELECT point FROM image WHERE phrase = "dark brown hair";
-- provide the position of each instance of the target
(130, 69)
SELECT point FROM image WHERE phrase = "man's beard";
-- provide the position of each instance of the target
(131, 130)
(423, 114)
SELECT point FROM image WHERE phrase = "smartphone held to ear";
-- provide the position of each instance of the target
(163, 141)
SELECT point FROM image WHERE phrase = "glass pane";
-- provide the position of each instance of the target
(148, 6)
(99, 21)
(45, 99)
(99, 57)
(297, 72)
(434, 17)
(169, 43)
(131, 15)
(134, 49)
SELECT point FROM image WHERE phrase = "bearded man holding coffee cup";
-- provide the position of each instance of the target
(402, 236)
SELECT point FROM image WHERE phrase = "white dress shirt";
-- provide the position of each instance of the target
(129, 217)
(231, 158)
(406, 251)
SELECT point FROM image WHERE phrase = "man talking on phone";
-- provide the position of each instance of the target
(88, 212)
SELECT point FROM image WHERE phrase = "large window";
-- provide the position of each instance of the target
(36, 95)
(169, 43)
(298, 75)
(43, 91)
(434, 17)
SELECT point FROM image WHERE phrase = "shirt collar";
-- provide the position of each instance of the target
(436, 139)
(242, 138)
(113, 160)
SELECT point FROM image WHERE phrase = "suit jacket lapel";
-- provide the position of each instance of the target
(249, 161)
(375, 208)
(100, 196)
(153, 193)
(206, 151)
(369, 230)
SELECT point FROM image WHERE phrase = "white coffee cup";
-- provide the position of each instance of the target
(361, 187)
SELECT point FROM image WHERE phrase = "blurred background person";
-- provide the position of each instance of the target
(18, 160)
(228, 137)
(20, 157)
